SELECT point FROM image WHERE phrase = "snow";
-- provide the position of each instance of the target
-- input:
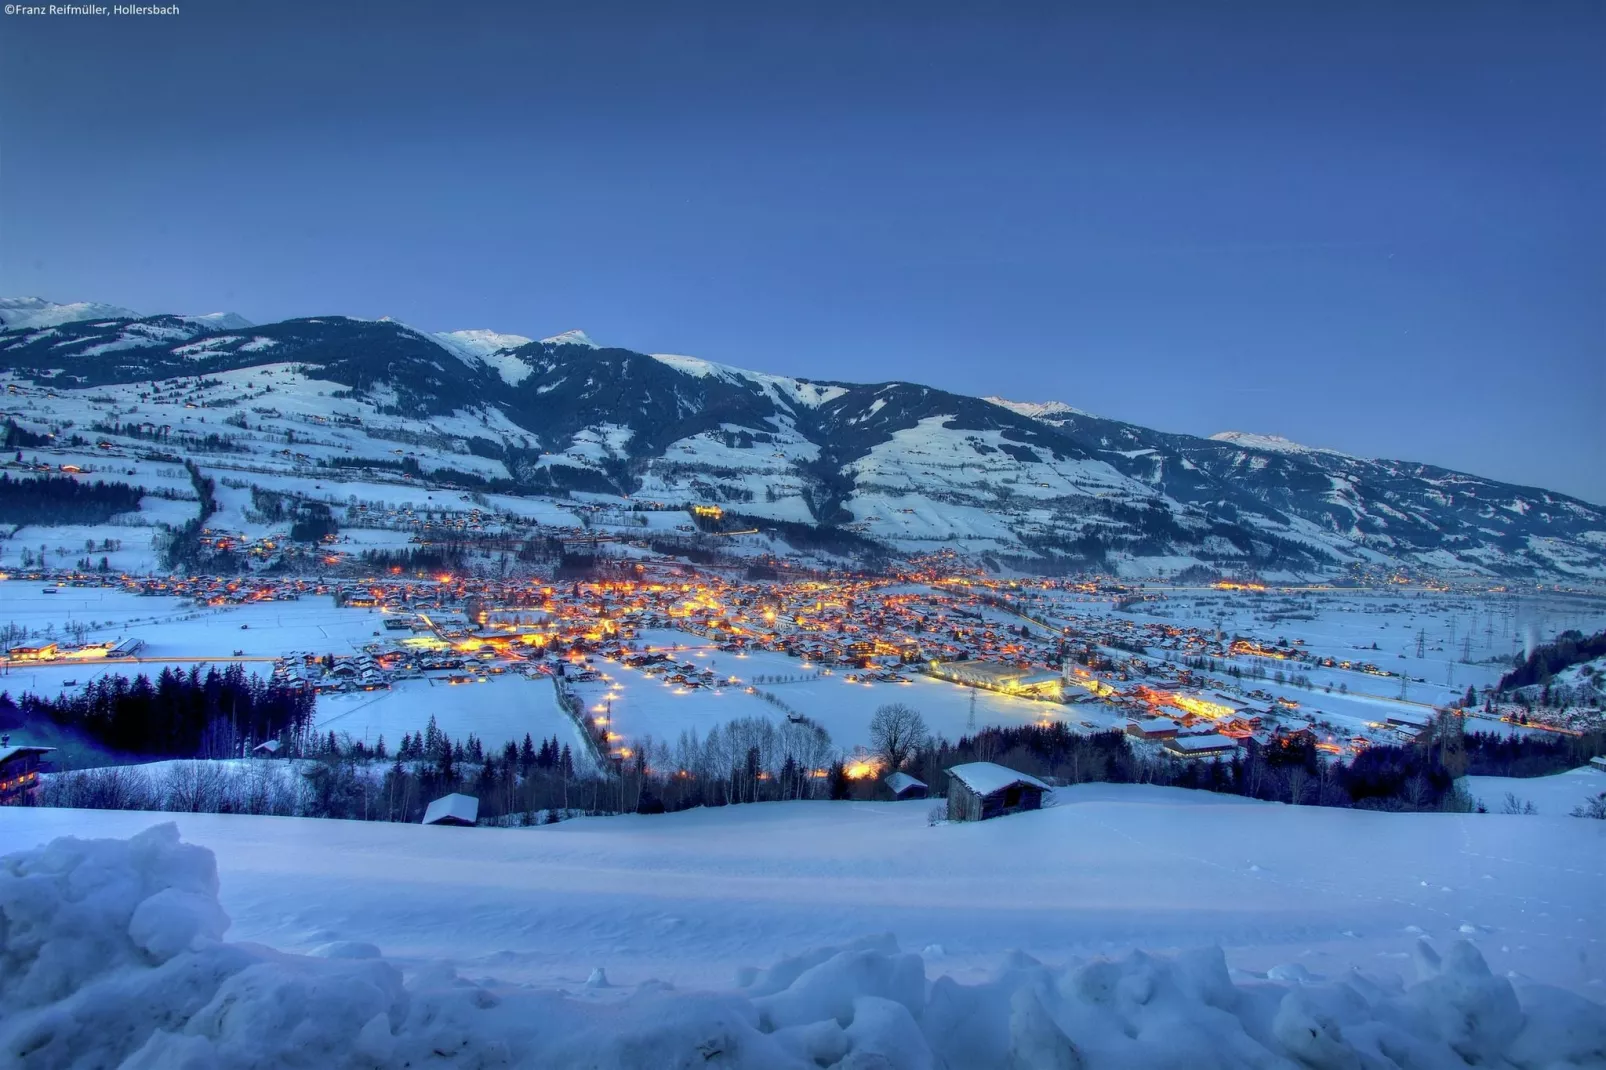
(498, 710)
(1037, 410)
(571, 338)
(902, 781)
(17, 313)
(1269, 443)
(632, 942)
(221, 321)
(1209, 742)
(490, 348)
(984, 778)
(1551, 796)
(455, 807)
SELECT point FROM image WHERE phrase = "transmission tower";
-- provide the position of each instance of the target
(970, 722)
(1421, 642)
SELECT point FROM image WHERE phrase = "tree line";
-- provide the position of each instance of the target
(57, 500)
(218, 714)
(1546, 660)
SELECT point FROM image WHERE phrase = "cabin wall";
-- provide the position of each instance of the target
(963, 804)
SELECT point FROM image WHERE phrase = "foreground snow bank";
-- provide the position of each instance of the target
(111, 954)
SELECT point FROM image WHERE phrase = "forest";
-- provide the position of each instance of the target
(56, 500)
(217, 714)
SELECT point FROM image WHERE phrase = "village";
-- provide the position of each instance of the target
(966, 649)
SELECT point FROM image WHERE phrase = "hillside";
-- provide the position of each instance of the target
(686, 939)
(912, 468)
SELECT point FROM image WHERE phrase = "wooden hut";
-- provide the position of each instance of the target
(980, 790)
(903, 786)
(453, 809)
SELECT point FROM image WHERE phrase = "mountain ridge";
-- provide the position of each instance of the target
(911, 467)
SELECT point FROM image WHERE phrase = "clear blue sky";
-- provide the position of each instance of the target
(1375, 227)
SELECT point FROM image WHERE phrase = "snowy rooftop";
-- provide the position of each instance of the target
(984, 778)
(7, 753)
(1212, 741)
(453, 807)
(900, 782)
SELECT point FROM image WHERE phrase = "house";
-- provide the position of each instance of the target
(19, 772)
(1598, 763)
(980, 790)
(1206, 746)
(33, 652)
(266, 749)
(453, 809)
(903, 786)
(1158, 728)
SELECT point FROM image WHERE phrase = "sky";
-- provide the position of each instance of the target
(1374, 227)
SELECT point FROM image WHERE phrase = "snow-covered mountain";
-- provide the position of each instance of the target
(35, 312)
(911, 467)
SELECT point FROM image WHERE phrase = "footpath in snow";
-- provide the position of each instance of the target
(1279, 936)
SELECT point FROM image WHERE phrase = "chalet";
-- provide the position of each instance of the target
(266, 749)
(34, 652)
(19, 772)
(453, 809)
(903, 786)
(1598, 764)
(981, 790)
(1206, 746)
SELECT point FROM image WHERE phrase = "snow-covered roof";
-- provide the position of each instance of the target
(453, 807)
(7, 753)
(901, 782)
(1159, 724)
(1213, 741)
(270, 746)
(984, 778)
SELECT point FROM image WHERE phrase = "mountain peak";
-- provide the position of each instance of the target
(1268, 443)
(221, 321)
(1037, 410)
(572, 338)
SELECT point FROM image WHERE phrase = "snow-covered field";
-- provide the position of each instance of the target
(500, 709)
(1318, 914)
(644, 705)
(1550, 795)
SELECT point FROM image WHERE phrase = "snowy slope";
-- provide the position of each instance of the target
(1274, 443)
(35, 313)
(512, 941)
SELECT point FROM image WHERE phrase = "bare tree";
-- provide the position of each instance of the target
(896, 731)
(1299, 782)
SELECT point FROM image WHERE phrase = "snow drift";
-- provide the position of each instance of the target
(112, 954)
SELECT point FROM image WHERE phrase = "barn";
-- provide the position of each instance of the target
(980, 790)
(903, 786)
(453, 809)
